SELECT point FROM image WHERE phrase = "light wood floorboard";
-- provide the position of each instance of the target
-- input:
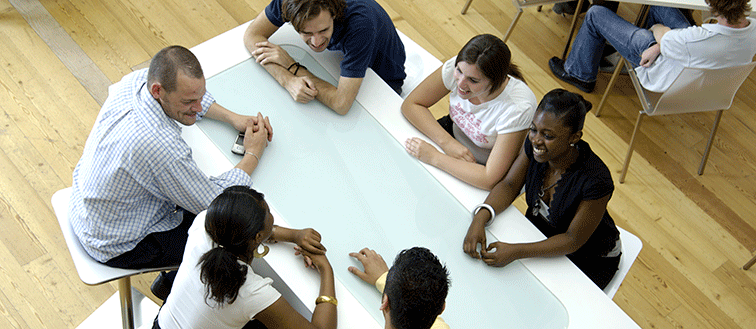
(697, 230)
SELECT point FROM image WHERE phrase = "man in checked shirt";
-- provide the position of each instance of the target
(136, 188)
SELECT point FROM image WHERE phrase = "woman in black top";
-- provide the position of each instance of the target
(567, 188)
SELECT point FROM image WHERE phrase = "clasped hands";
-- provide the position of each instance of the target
(301, 88)
(309, 246)
(496, 254)
(257, 132)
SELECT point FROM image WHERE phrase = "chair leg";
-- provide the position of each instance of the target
(512, 25)
(127, 308)
(630, 148)
(467, 5)
(616, 73)
(572, 28)
(750, 263)
(711, 141)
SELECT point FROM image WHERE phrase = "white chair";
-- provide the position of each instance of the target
(631, 247)
(694, 90)
(519, 4)
(418, 65)
(93, 272)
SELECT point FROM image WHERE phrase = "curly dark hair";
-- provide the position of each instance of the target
(416, 287)
(298, 12)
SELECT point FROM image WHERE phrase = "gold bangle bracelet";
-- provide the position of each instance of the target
(326, 299)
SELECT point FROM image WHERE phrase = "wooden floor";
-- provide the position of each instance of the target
(58, 56)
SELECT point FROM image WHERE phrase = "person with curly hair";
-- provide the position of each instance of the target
(360, 29)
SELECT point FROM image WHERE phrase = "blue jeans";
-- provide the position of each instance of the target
(601, 25)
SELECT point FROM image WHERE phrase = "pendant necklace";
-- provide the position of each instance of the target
(537, 205)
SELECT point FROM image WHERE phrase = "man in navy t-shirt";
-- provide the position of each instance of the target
(360, 29)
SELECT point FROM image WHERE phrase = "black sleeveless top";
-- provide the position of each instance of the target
(586, 179)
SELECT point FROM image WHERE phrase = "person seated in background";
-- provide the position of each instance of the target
(490, 108)
(360, 29)
(661, 52)
(567, 188)
(136, 188)
(414, 289)
(216, 287)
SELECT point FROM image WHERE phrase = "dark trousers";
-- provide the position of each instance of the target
(157, 249)
(600, 270)
(447, 123)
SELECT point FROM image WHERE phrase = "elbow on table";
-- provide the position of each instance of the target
(488, 184)
(342, 107)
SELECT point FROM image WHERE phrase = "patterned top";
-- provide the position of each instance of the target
(135, 170)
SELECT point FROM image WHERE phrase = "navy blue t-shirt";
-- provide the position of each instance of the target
(367, 38)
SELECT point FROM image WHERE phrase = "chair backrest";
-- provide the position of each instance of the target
(90, 271)
(418, 65)
(699, 90)
(631, 247)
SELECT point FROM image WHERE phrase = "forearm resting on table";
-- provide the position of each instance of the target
(283, 234)
(259, 31)
(220, 113)
(338, 98)
(558, 245)
(416, 108)
(422, 118)
(325, 313)
(471, 173)
(248, 163)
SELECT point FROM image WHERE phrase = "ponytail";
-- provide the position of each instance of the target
(222, 274)
(233, 220)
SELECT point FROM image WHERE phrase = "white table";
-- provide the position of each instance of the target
(586, 305)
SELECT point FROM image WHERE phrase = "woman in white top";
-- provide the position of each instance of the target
(490, 109)
(215, 286)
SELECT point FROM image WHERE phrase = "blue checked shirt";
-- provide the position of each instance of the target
(135, 170)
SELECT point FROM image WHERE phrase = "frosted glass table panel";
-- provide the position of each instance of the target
(349, 179)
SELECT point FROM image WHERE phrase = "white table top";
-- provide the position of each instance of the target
(587, 306)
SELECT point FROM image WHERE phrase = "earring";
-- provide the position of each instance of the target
(256, 254)
(572, 144)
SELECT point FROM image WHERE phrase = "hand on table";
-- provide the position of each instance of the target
(420, 149)
(267, 53)
(240, 123)
(309, 240)
(455, 149)
(476, 236)
(301, 88)
(503, 254)
(317, 261)
(256, 135)
(373, 264)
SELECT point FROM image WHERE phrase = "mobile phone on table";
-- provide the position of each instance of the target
(238, 147)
